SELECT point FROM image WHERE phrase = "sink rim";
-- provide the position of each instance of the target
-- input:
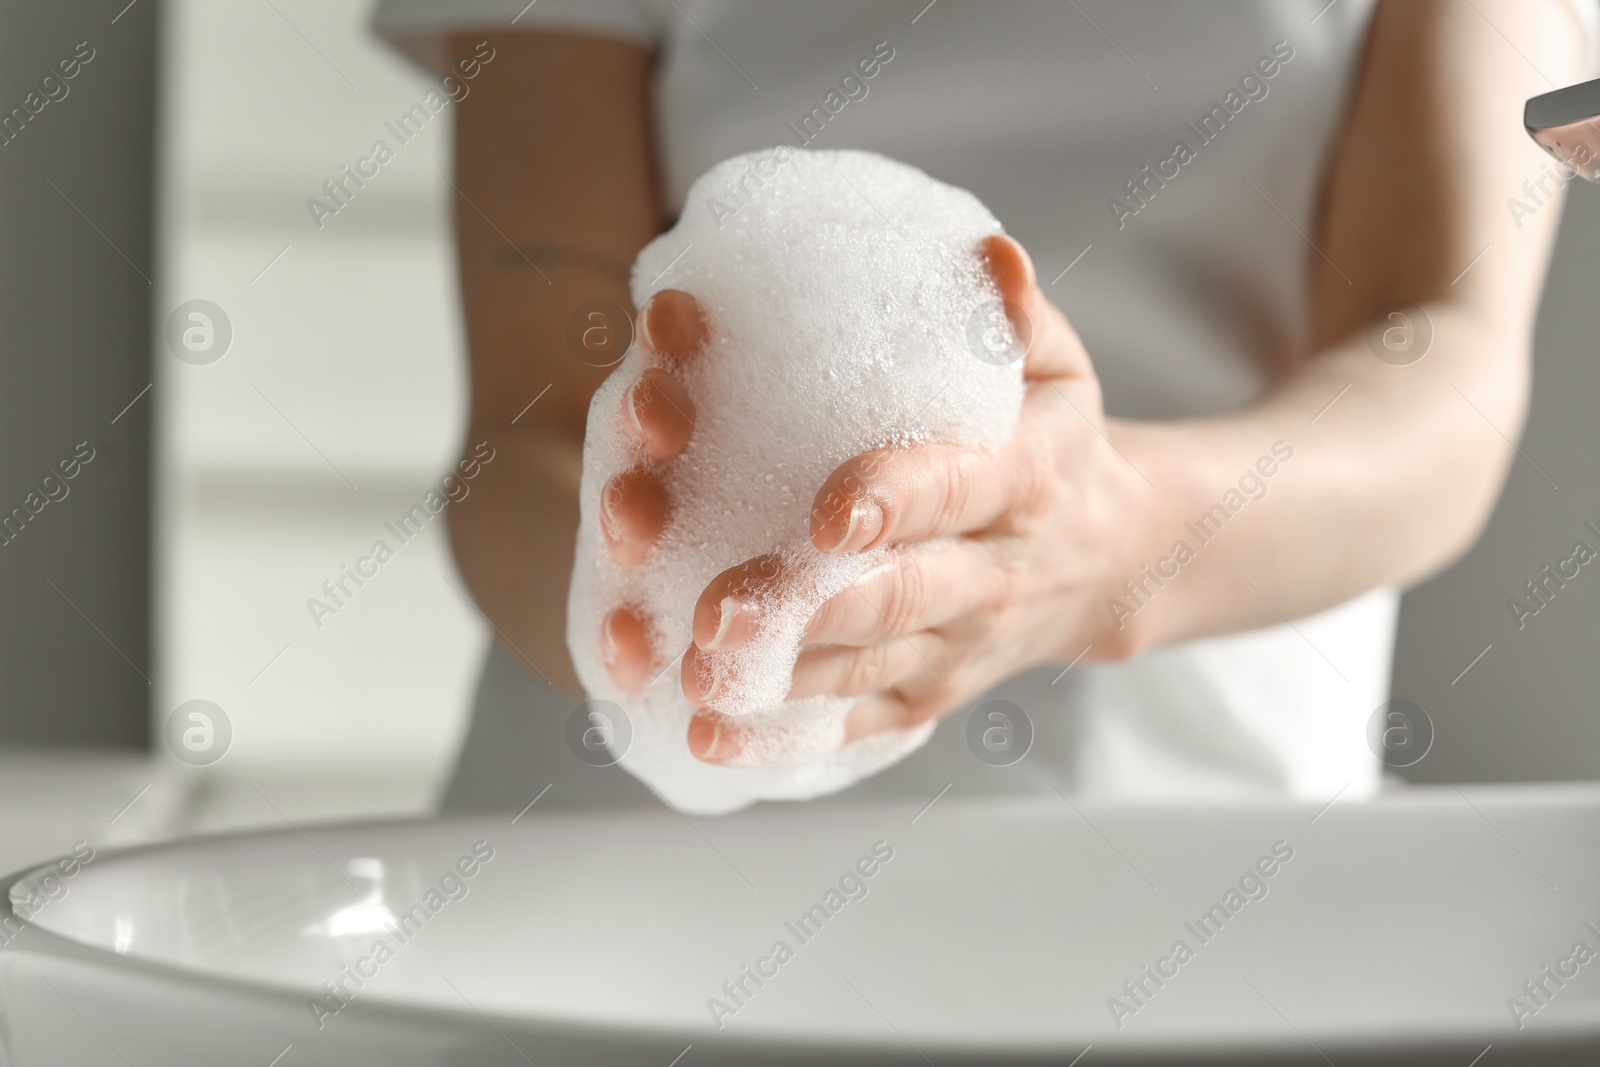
(43, 942)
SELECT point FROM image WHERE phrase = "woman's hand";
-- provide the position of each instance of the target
(657, 411)
(1000, 561)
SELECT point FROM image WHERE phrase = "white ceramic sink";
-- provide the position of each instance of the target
(997, 932)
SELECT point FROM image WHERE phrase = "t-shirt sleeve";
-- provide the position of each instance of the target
(418, 28)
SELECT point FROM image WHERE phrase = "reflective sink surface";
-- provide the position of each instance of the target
(1408, 929)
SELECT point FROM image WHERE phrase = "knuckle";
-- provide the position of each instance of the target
(1116, 644)
(866, 669)
(1003, 575)
(1009, 587)
(823, 622)
(1035, 486)
(920, 710)
(906, 594)
(958, 478)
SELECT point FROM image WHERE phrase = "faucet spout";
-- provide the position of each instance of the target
(1566, 123)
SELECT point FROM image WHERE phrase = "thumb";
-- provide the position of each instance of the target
(1053, 348)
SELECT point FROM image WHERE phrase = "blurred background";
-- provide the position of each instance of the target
(230, 491)
(325, 396)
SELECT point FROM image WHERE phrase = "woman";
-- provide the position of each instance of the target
(1278, 240)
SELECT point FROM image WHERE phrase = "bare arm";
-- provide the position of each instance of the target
(1398, 477)
(1387, 485)
(556, 196)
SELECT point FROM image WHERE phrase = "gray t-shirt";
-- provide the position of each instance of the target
(1161, 162)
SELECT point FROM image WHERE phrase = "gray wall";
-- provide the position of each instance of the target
(75, 263)
(1527, 709)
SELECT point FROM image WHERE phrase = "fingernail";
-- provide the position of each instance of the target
(710, 741)
(866, 519)
(608, 640)
(727, 612)
(641, 325)
(646, 324)
(609, 523)
(630, 409)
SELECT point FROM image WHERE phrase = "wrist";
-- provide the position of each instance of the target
(1196, 529)
(1142, 602)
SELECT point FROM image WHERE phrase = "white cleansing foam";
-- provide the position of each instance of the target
(841, 290)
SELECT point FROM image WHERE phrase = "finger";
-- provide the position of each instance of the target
(927, 491)
(726, 615)
(846, 671)
(701, 685)
(633, 512)
(1009, 265)
(1052, 345)
(673, 326)
(716, 738)
(657, 412)
(886, 711)
(915, 590)
(625, 648)
(842, 671)
(713, 738)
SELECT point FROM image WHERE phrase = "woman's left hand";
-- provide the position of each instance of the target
(999, 561)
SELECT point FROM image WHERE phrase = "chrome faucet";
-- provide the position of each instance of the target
(1566, 123)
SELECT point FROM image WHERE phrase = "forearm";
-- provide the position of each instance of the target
(513, 542)
(1352, 474)
(553, 197)
(513, 537)
(1394, 468)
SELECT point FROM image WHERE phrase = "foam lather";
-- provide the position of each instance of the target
(842, 291)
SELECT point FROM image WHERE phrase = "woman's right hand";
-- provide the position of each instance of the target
(657, 411)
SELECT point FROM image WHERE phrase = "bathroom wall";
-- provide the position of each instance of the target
(1528, 708)
(75, 269)
(336, 406)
